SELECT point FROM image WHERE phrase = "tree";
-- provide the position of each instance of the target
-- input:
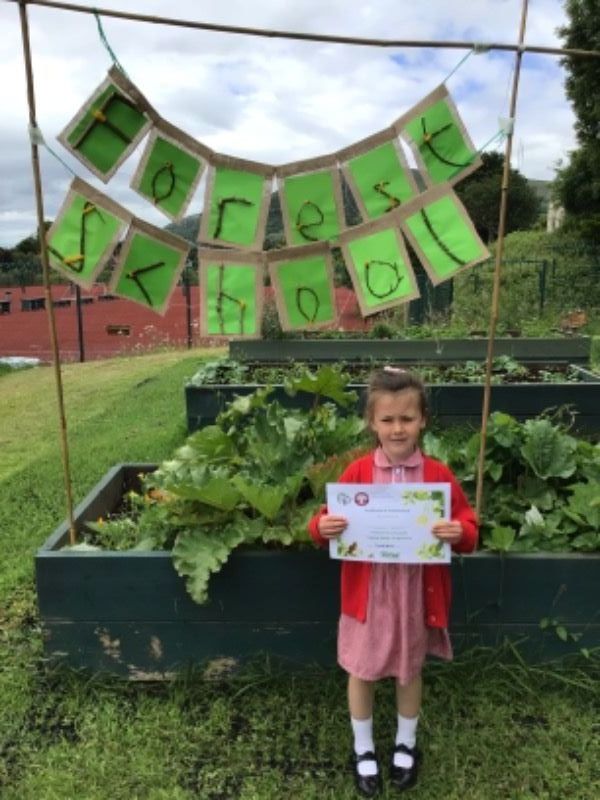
(583, 74)
(481, 194)
(577, 185)
(29, 246)
(21, 265)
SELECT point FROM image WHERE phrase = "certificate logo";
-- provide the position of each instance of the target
(361, 498)
(343, 498)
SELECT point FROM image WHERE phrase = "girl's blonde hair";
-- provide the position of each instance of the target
(394, 379)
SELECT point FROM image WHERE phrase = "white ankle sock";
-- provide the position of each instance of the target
(363, 743)
(407, 735)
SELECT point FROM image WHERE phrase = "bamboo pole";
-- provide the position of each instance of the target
(309, 37)
(485, 411)
(37, 179)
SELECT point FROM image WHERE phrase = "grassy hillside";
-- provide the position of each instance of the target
(571, 282)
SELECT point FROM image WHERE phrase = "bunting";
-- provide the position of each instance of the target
(109, 125)
(379, 266)
(236, 203)
(311, 200)
(439, 140)
(442, 234)
(302, 278)
(89, 230)
(231, 293)
(149, 266)
(377, 174)
(170, 169)
(86, 231)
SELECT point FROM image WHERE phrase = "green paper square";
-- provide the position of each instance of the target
(101, 146)
(96, 230)
(169, 174)
(380, 167)
(157, 283)
(447, 241)
(447, 153)
(393, 274)
(302, 194)
(235, 318)
(237, 222)
(305, 286)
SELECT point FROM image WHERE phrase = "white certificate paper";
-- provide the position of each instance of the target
(390, 522)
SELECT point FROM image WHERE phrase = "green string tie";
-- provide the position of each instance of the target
(105, 42)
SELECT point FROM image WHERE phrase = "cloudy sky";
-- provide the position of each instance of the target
(273, 100)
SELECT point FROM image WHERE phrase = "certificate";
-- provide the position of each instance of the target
(390, 522)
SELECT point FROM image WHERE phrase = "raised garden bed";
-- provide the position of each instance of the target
(451, 404)
(574, 350)
(129, 613)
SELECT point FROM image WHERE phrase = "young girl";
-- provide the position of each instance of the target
(393, 615)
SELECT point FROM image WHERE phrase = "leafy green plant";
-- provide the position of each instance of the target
(505, 369)
(256, 475)
(541, 485)
(554, 624)
(382, 330)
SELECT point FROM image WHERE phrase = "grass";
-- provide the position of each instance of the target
(491, 726)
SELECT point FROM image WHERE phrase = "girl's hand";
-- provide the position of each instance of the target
(448, 530)
(330, 525)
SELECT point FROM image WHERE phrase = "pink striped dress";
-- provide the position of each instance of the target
(394, 640)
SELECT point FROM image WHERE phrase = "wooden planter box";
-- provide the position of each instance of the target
(450, 403)
(129, 613)
(575, 350)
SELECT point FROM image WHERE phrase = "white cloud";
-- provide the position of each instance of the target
(270, 99)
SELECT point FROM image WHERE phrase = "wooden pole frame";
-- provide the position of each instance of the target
(308, 37)
(487, 387)
(39, 201)
(519, 49)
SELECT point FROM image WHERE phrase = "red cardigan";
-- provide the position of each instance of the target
(356, 575)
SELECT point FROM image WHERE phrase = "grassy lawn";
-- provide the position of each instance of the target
(491, 726)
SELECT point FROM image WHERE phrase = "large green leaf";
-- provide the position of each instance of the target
(534, 491)
(293, 484)
(326, 382)
(550, 453)
(245, 404)
(277, 533)
(217, 492)
(585, 503)
(213, 443)
(587, 542)
(436, 447)
(501, 538)
(267, 500)
(504, 430)
(197, 554)
(292, 426)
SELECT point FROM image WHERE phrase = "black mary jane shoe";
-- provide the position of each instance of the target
(405, 777)
(367, 785)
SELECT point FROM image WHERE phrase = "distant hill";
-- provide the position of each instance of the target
(187, 228)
